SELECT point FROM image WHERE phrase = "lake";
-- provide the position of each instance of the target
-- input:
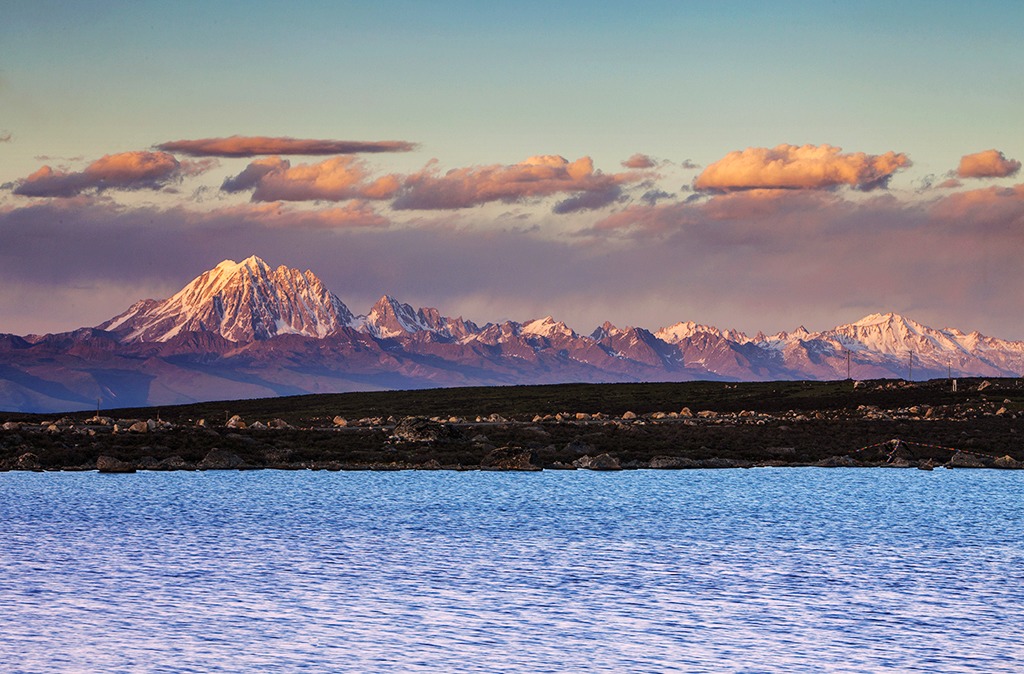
(762, 570)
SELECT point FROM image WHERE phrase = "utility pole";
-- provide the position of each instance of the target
(910, 366)
(848, 364)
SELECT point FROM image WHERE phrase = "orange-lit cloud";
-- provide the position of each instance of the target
(335, 179)
(788, 256)
(987, 164)
(1000, 206)
(639, 161)
(251, 146)
(126, 171)
(751, 206)
(353, 215)
(796, 167)
(535, 177)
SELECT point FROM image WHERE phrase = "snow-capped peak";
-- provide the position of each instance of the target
(241, 301)
(676, 333)
(547, 327)
(391, 318)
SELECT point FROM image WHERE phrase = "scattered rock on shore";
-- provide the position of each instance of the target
(599, 462)
(418, 429)
(108, 464)
(510, 458)
(221, 459)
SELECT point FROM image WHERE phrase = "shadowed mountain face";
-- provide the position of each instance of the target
(245, 330)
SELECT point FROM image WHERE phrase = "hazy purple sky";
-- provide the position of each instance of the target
(756, 165)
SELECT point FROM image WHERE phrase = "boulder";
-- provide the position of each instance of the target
(235, 422)
(628, 416)
(11, 426)
(139, 427)
(418, 429)
(221, 459)
(27, 461)
(838, 462)
(341, 422)
(108, 464)
(279, 424)
(984, 385)
(671, 463)
(962, 460)
(707, 414)
(1008, 462)
(173, 463)
(599, 462)
(510, 458)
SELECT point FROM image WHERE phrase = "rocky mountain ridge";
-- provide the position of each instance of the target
(244, 330)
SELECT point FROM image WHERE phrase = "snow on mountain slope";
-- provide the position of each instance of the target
(390, 318)
(241, 301)
(678, 332)
(249, 301)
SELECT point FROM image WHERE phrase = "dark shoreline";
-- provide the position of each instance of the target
(886, 423)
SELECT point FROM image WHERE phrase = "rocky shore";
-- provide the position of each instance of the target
(920, 427)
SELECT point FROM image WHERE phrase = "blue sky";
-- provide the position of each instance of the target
(475, 84)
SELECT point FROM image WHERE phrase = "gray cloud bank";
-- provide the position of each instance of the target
(750, 260)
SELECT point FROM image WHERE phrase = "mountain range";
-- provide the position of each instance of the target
(246, 330)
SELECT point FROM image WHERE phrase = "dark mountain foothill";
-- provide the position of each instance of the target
(886, 423)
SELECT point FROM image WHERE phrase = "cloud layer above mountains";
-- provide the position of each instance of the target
(776, 236)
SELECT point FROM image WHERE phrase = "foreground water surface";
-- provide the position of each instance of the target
(767, 570)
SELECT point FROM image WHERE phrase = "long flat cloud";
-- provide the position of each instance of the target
(535, 177)
(987, 164)
(799, 167)
(253, 146)
(126, 171)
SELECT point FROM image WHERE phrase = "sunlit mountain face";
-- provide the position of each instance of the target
(246, 330)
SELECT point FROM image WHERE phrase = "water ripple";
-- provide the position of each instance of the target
(689, 571)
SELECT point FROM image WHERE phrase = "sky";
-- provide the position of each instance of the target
(749, 165)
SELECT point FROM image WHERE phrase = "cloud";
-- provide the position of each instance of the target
(5, 137)
(251, 146)
(767, 259)
(793, 167)
(588, 201)
(334, 179)
(251, 176)
(125, 171)
(355, 214)
(949, 184)
(987, 164)
(639, 161)
(533, 178)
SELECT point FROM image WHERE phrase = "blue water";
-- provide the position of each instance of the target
(767, 570)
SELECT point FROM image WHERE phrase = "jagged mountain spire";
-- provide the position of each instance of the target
(241, 301)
